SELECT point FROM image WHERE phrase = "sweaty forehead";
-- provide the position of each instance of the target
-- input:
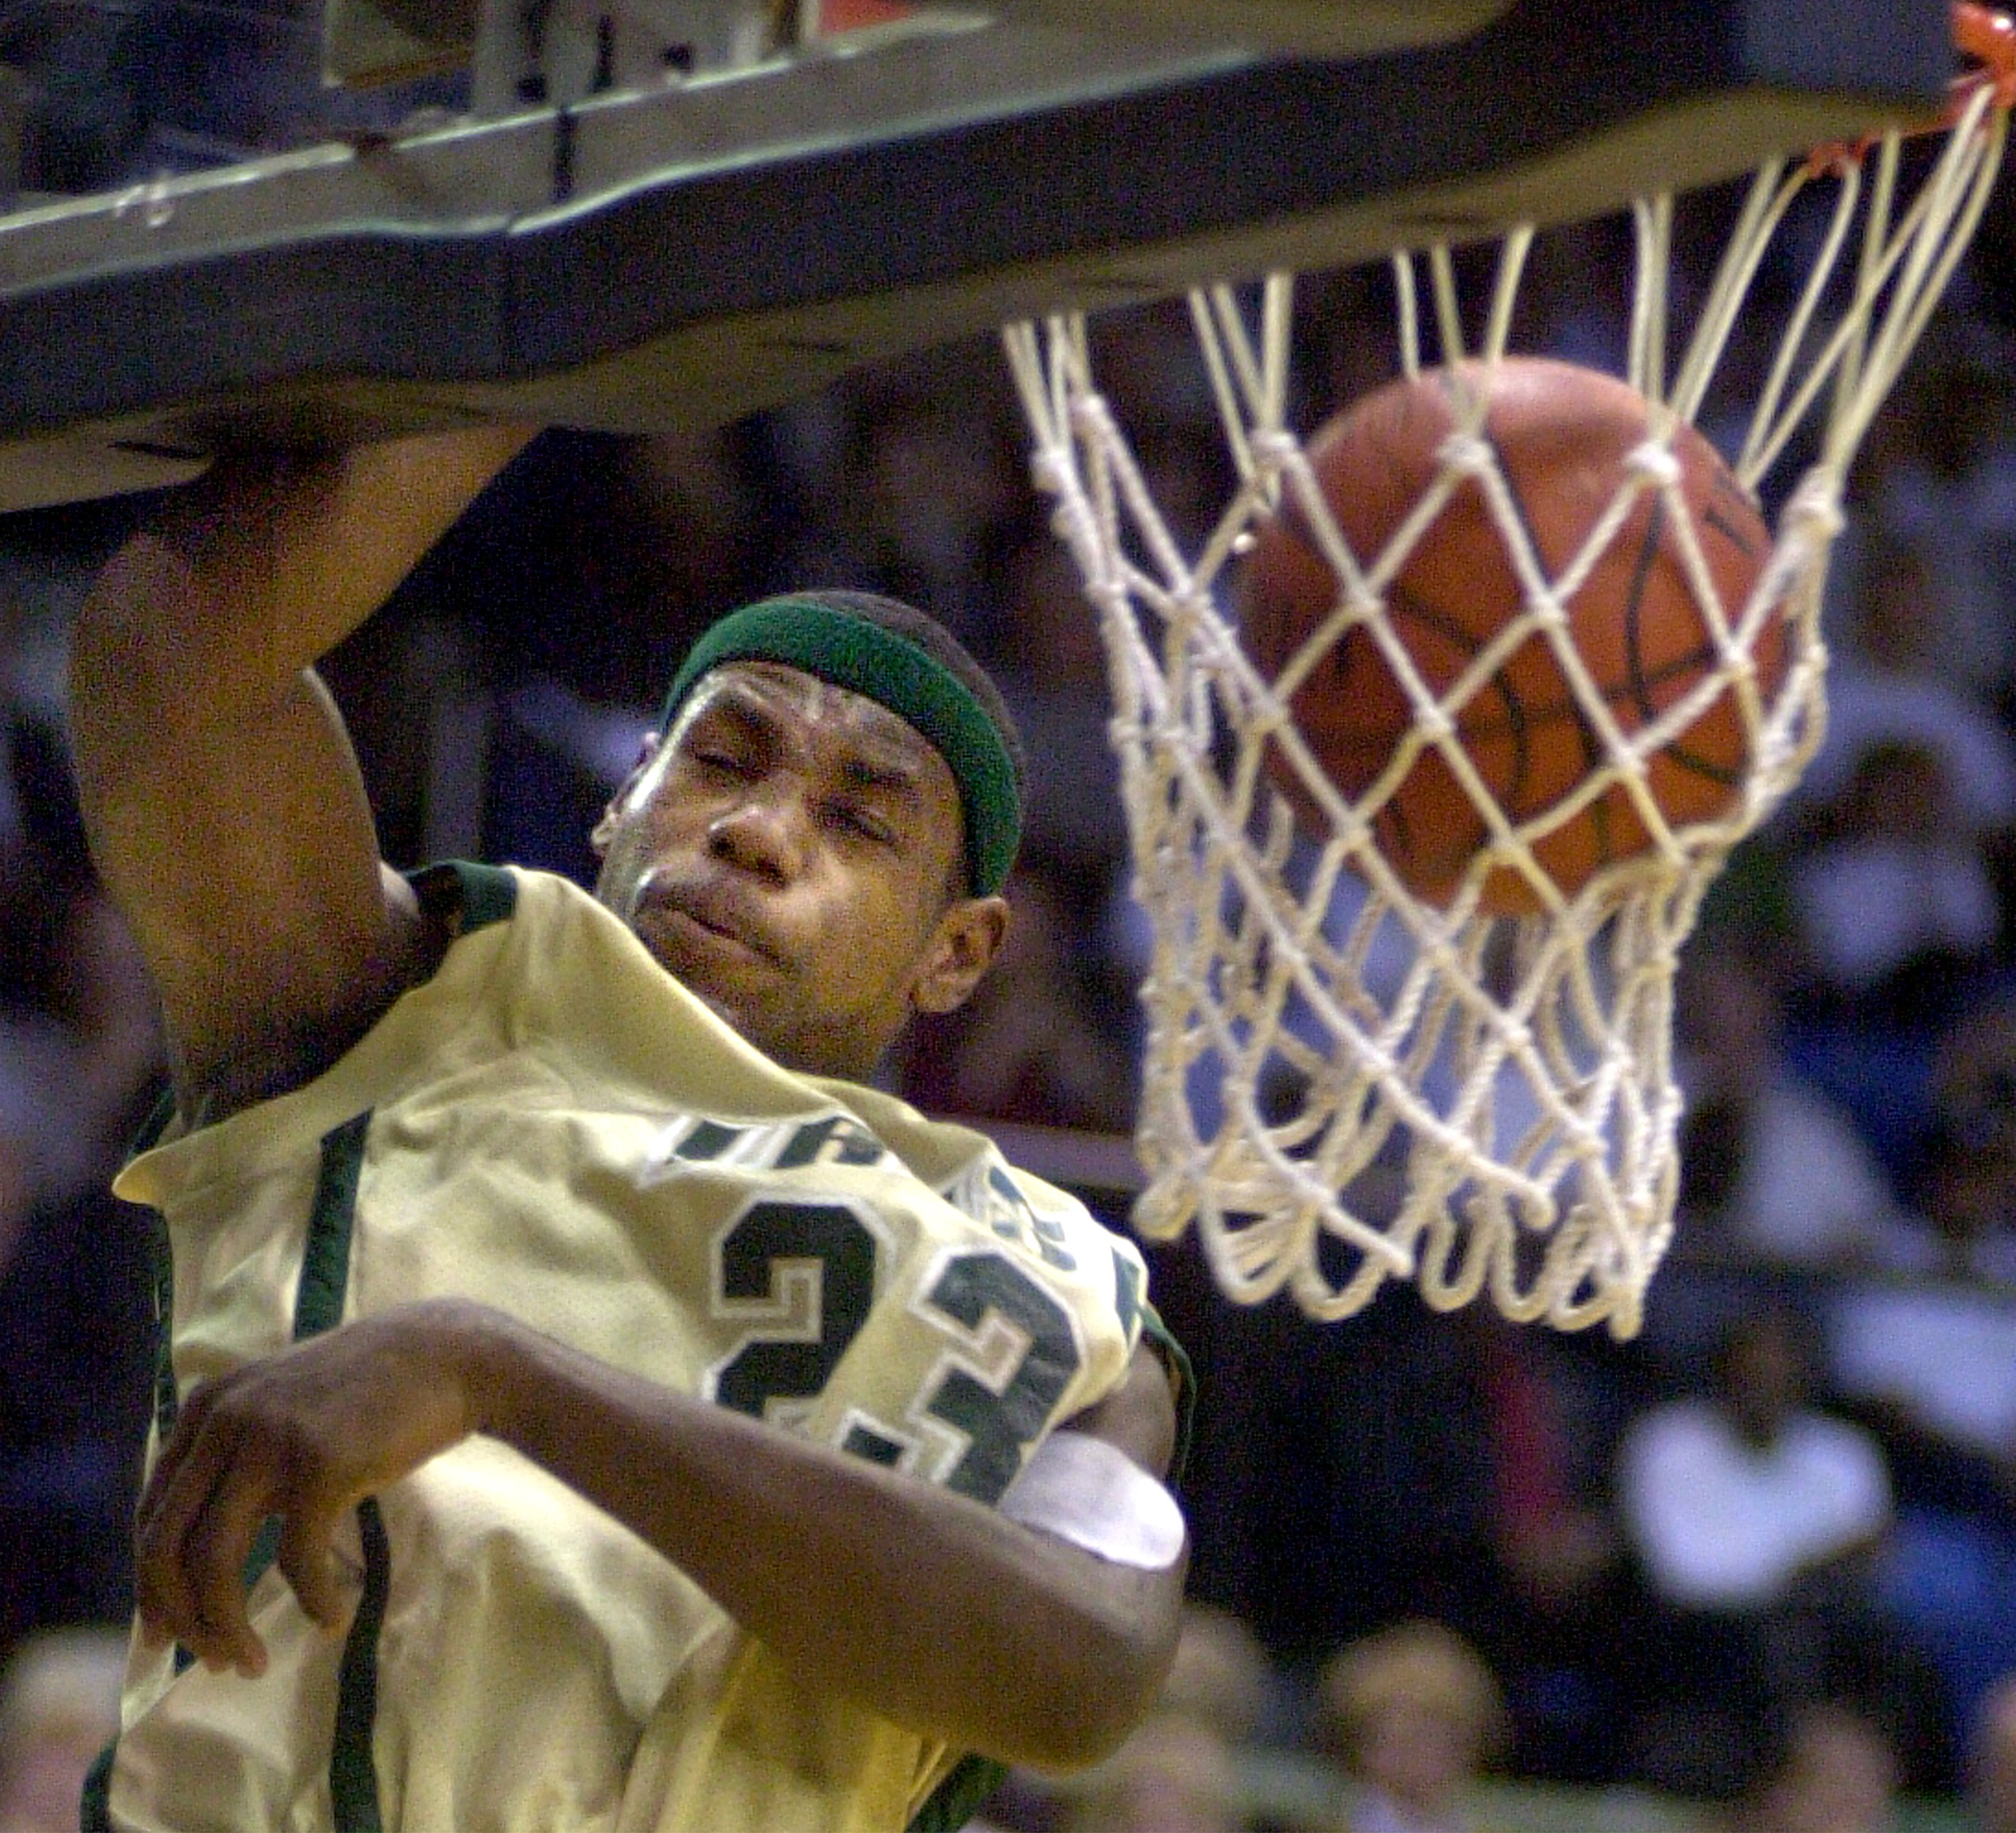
(777, 692)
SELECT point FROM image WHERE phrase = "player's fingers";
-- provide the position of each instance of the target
(307, 1556)
(168, 1460)
(178, 1494)
(216, 1544)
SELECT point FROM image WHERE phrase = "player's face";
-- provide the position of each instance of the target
(792, 851)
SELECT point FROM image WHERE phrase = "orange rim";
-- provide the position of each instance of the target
(1987, 39)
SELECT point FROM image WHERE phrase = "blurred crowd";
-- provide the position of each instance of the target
(1763, 1557)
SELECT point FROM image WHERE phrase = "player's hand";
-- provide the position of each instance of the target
(303, 1435)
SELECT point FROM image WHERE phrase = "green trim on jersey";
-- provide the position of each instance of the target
(1177, 1361)
(318, 1307)
(326, 1260)
(94, 1808)
(464, 896)
(960, 1796)
(163, 1278)
(353, 1773)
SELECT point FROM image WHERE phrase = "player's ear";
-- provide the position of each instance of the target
(968, 938)
(604, 830)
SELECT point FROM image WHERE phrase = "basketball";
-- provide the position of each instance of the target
(1564, 435)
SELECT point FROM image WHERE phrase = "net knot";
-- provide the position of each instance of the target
(1431, 720)
(1050, 470)
(1092, 419)
(1074, 524)
(1815, 507)
(1469, 453)
(1655, 461)
(1546, 612)
(1273, 449)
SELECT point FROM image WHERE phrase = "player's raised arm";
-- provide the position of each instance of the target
(223, 803)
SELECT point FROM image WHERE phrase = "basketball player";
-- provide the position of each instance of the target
(510, 1225)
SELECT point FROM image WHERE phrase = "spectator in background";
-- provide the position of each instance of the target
(1173, 1775)
(1153, 374)
(1769, 1166)
(1754, 1519)
(1053, 676)
(1964, 1182)
(80, 1061)
(1041, 1043)
(928, 489)
(1895, 851)
(1730, 1500)
(1893, 682)
(1552, 1633)
(1938, 472)
(1910, 803)
(1220, 1674)
(1415, 1716)
(1735, 1497)
(1897, 903)
(59, 1707)
(1179, 1772)
(1991, 1760)
(79, 1047)
(1930, 1364)
(1835, 1770)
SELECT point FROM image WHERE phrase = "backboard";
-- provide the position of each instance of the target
(380, 39)
(689, 252)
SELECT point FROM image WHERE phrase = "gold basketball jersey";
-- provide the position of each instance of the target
(551, 1125)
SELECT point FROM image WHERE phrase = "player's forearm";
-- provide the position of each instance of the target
(933, 1610)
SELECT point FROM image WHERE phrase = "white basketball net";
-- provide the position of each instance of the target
(1516, 1074)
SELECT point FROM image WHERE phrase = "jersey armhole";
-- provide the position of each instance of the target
(462, 896)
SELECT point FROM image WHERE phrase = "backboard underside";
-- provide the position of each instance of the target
(682, 256)
(375, 40)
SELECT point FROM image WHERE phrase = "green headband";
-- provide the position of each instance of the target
(855, 653)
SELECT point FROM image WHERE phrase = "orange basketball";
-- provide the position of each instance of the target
(1563, 435)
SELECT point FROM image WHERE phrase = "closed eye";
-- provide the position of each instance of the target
(852, 818)
(720, 760)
